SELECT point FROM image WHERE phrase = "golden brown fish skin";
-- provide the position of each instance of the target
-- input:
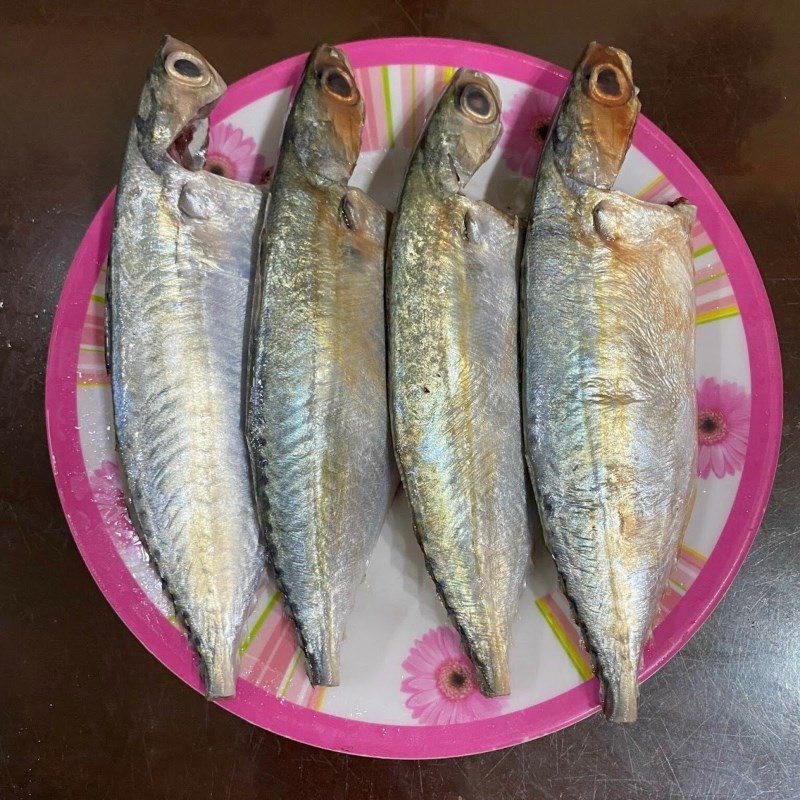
(454, 377)
(317, 425)
(608, 374)
(183, 248)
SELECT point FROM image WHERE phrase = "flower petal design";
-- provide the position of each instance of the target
(233, 155)
(441, 685)
(526, 122)
(723, 427)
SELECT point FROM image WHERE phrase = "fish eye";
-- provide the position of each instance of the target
(186, 68)
(608, 85)
(477, 103)
(338, 83)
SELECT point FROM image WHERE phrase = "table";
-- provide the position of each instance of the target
(85, 711)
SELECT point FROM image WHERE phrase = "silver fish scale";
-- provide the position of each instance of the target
(181, 259)
(609, 402)
(318, 423)
(454, 379)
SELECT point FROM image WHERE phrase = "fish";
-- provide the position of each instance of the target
(317, 420)
(454, 375)
(608, 340)
(183, 250)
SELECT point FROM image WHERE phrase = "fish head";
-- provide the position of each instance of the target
(462, 130)
(597, 117)
(181, 90)
(325, 122)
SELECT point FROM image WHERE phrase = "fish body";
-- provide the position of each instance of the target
(454, 376)
(182, 253)
(608, 361)
(317, 422)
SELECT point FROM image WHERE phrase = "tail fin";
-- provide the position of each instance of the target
(620, 693)
(491, 666)
(322, 655)
(219, 668)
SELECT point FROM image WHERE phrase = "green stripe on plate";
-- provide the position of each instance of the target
(288, 679)
(262, 617)
(703, 250)
(387, 99)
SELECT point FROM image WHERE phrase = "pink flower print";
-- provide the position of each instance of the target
(233, 155)
(526, 122)
(723, 424)
(106, 482)
(441, 683)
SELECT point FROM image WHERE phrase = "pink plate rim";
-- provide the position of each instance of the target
(413, 741)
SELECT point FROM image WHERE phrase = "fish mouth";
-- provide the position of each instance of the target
(334, 74)
(606, 76)
(188, 148)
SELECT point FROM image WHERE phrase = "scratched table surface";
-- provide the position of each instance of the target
(85, 711)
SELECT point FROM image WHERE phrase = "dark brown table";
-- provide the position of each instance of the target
(85, 711)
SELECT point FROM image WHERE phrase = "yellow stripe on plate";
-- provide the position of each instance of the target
(650, 185)
(574, 656)
(720, 313)
(98, 299)
(711, 278)
(694, 553)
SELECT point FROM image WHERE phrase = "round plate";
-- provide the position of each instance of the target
(404, 693)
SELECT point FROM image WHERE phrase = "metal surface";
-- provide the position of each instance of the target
(87, 712)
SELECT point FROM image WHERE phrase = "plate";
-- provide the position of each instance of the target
(397, 698)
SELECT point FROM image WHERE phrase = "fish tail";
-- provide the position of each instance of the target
(219, 668)
(491, 668)
(322, 661)
(620, 693)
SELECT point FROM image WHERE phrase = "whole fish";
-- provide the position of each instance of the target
(317, 421)
(182, 254)
(608, 361)
(454, 375)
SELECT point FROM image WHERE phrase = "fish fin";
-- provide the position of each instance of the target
(472, 231)
(319, 642)
(615, 224)
(620, 695)
(359, 212)
(686, 211)
(492, 671)
(489, 653)
(606, 222)
(482, 220)
(107, 319)
(192, 203)
(322, 658)
(348, 211)
(219, 668)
